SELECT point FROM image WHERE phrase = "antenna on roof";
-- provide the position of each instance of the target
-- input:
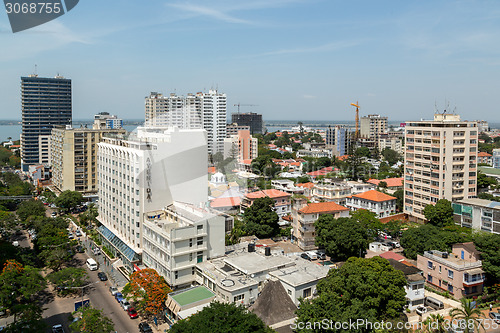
(36, 70)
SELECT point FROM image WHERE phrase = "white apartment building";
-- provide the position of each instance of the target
(377, 202)
(372, 126)
(440, 162)
(390, 142)
(104, 120)
(143, 172)
(44, 149)
(200, 110)
(478, 214)
(496, 158)
(180, 236)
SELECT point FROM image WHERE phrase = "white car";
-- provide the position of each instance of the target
(420, 310)
(396, 244)
(125, 304)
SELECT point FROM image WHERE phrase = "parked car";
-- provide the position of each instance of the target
(96, 251)
(113, 290)
(495, 316)
(57, 328)
(396, 244)
(145, 328)
(102, 276)
(305, 256)
(78, 233)
(132, 313)
(70, 235)
(125, 304)
(54, 214)
(118, 296)
(321, 254)
(420, 310)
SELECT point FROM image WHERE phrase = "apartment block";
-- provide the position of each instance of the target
(146, 171)
(440, 162)
(390, 142)
(304, 216)
(73, 158)
(335, 192)
(251, 119)
(233, 129)
(338, 139)
(178, 237)
(193, 111)
(241, 146)
(103, 120)
(282, 203)
(459, 272)
(44, 150)
(377, 202)
(45, 103)
(372, 126)
(477, 214)
(496, 158)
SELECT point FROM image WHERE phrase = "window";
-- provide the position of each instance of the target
(176, 275)
(450, 274)
(239, 298)
(190, 242)
(199, 227)
(429, 264)
(199, 241)
(199, 257)
(429, 278)
(450, 288)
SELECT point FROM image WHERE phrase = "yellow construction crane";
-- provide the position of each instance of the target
(356, 134)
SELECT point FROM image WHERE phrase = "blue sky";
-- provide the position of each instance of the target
(295, 59)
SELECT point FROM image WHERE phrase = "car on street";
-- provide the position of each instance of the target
(57, 328)
(125, 304)
(396, 244)
(145, 328)
(113, 290)
(305, 256)
(70, 235)
(132, 313)
(420, 310)
(102, 276)
(78, 233)
(118, 296)
(495, 316)
(96, 251)
(54, 214)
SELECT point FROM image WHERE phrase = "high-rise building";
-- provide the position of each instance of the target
(496, 158)
(73, 157)
(241, 146)
(440, 162)
(44, 150)
(233, 129)
(254, 120)
(372, 126)
(338, 138)
(104, 120)
(144, 172)
(200, 110)
(45, 103)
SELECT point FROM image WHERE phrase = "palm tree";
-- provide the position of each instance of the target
(435, 323)
(468, 314)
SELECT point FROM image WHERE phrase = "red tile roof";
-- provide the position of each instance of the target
(307, 185)
(225, 202)
(391, 182)
(272, 193)
(247, 162)
(322, 208)
(212, 170)
(318, 173)
(483, 154)
(392, 255)
(343, 157)
(374, 195)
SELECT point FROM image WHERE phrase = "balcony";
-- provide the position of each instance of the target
(472, 281)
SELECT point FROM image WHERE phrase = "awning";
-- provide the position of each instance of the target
(475, 271)
(119, 244)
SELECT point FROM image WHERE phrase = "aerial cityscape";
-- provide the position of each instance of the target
(282, 166)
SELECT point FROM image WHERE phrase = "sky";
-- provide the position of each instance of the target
(293, 59)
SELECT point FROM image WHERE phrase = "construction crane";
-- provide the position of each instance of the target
(239, 104)
(356, 134)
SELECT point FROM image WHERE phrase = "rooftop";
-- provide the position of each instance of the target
(303, 272)
(489, 170)
(374, 195)
(254, 263)
(452, 261)
(322, 208)
(225, 202)
(479, 202)
(307, 185)
(406, 269)
(483, 154)
(272, 193)
(392, 256)
(192, 295)
(391, 182)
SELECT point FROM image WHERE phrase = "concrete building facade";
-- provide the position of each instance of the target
(477, 214)
(242, 146)
(251, 119)
(338, 139)
(380, 203)
(440, 162)
(372, 126)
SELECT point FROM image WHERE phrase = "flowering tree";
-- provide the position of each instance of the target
(148, 290)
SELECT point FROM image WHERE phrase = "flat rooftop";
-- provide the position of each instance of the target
(480, 202)
(192, 295)
(253, 263)
(303, 272)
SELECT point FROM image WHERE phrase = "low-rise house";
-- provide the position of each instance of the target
(286, 185)
(337, 193)
(315, 153)
(484, 157)
(415, 291)
(184, 303)
(360, 187)
(307, 188)
(459, 272)
(380, 203)
(393, 184)
(305, 215)
(282, 200)
(478, 214)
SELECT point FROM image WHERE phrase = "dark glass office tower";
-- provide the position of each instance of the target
(254, 120)
(45, 103)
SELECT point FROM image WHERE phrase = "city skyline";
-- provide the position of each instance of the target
(288, 57)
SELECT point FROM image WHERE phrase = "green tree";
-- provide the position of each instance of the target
(363, 152)
(484, 181)
(391, 156)
(468, 313)
(440, 214)
(91, 321)
(221, 318)
(488, 245)
(30, 208)
(69, 277)
(368, 289)
(435, 323)
(260, 219)
(29, 319)
(382, 184)
(69, 200)
(399, 194)
(341, 238)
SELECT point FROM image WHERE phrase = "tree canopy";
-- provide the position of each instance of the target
(221, 318)
(260, 219)
(488, 245)
(69, 199)
(391, 156)
(69, 277)
(148, 290)
(368, 289)
(30, 208)
(440, 214)
(91, 320)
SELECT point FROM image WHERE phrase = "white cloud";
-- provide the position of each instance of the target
(309, 96)
(314, 49)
